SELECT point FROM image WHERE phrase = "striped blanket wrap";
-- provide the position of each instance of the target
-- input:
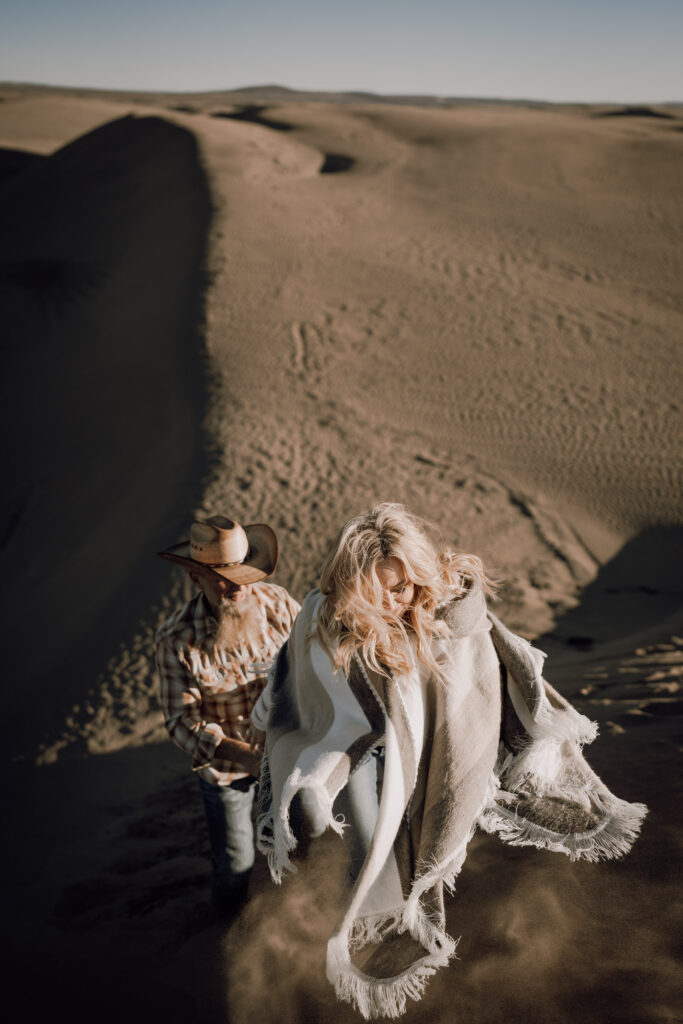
(493, 746)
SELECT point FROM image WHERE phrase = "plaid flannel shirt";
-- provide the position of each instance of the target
(208, 695)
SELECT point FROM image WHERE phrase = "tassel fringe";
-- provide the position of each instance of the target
(275, 841)
(386, 997)
(274, 835)
(612, 838)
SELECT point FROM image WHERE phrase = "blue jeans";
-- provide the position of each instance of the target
(359, 803)
(231, 835)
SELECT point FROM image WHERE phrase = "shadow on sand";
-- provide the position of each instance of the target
(14, 161)
(103, 396)
(635, 112)
(254, 114)
(335, 163)
(110, 879)
(637, 590)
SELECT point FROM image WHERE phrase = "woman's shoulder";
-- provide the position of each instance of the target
(463, 611)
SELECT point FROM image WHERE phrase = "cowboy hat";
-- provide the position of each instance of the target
(241, 554)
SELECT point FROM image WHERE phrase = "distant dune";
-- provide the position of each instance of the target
(636, 112)
(279, 94)
(289, 306)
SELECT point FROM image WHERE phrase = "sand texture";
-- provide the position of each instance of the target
(290, 309)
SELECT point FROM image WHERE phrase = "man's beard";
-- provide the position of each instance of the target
(240, 624)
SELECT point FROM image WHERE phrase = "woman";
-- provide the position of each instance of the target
(397, 652)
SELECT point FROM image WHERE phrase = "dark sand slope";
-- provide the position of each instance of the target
(101, 286)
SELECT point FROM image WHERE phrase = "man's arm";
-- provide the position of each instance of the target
(185, 723)
(247, 756)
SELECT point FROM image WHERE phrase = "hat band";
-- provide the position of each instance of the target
(222, 565)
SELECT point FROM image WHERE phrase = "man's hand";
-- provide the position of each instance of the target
(257, 738)
(246, 756)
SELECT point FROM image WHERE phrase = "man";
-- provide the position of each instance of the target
(212, 660)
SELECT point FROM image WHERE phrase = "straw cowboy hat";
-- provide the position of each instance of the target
(241, 554)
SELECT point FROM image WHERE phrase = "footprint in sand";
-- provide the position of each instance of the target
(308, 359)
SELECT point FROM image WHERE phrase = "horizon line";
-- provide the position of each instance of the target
(434, 98)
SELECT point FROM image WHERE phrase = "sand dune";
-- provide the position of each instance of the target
(291, 310)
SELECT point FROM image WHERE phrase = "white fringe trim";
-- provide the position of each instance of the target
(611, 838)
(538, 767)
(538, 770)
(548, 722)
(274, 835)
(386, 997)
(278, 843)
(563, 724)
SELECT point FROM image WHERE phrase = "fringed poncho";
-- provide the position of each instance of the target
(491, 745)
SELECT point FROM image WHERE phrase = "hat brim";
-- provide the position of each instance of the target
(260, 562)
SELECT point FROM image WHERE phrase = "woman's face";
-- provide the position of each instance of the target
(398, 590)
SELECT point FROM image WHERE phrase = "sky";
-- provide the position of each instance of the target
(626, 51)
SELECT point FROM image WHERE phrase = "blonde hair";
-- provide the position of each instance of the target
(353, 616)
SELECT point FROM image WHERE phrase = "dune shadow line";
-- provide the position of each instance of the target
(336, 163)
(254, 115)
(635, 112)
(635, 591)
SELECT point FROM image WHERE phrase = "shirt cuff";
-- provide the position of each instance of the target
(211, 736)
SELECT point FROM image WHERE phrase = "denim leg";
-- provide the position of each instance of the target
(231, 835)
(359, 803)
(306, 818)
